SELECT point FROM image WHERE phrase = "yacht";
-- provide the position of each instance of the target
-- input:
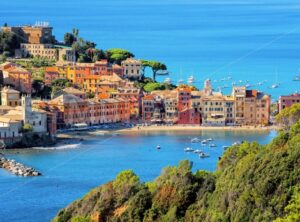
(203, 155)
(188, 149)
(198, 151)
(236, 143)
(180, 81)
(168, 80)
(225, 147)
(274, 86)
(209, 139)
(191, 80)
(203, 142)
(297, 77)
(195, 140)
(212, 145)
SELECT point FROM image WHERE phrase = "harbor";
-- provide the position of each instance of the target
(70, 169)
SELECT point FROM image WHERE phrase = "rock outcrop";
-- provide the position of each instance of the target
(17, 168)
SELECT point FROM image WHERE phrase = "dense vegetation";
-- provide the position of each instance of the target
(8, 43)
(252, 183)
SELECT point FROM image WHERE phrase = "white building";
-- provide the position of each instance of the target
(10, 97)
(10, 129)
(36, 118)
(132, 68)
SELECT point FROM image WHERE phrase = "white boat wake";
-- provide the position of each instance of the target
(59, 147)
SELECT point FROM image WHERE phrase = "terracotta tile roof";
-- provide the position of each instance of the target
(72, 90)
(148, 97)
(51, 69)
(17, 69)
(9, 90)
(66, 98)
(8, 119)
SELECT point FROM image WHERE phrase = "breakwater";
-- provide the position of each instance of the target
(18, 169)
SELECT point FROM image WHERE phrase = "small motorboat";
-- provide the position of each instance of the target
(168, 80)
(180, 81)
(195, 140)
(236, 143)
(225, 147)
(209, 139)
(198, 151)
(203, 155)
(212, 145)
(274, 86)
(203, 142)
(158, 147)
(188, 149)
(191, 80)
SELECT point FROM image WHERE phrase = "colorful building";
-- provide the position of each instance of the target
(288, 101)
(10, 97)
(40, 33)
(132, 68)
(17, 77)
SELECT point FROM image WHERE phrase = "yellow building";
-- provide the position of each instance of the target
(10, 97)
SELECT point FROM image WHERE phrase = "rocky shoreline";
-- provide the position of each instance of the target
(18, 169)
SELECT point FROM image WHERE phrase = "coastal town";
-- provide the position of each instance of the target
(67, 90)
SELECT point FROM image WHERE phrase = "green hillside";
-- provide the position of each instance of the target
(252, 183)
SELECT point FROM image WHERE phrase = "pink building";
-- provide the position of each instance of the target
(287, 101)
(189, 116)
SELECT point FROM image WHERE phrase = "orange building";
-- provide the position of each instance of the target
(71, 110)
(17, 77)
(40, 33)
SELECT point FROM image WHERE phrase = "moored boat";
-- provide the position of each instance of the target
(188, 149)
(195, 140)
(203, 155)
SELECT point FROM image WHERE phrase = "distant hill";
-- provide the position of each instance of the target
(252, 183)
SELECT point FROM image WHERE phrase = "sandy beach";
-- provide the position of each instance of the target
(162, 128)
(195, 128)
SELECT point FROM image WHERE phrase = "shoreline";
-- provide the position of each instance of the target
(174, 128)
(196, 128)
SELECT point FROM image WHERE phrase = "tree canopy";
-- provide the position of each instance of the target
(288, 116)
(252, 182)
(8, 43)
(154, 65)
(69, 39)
(117, 55)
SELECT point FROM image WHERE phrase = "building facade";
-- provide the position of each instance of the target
(10, 97)
(132, 68)
(41, 33)
(17, 77)
(288, 101)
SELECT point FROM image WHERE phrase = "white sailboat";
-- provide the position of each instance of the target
(168, 80)
(297, 77)
(276, 84)
(191, 80)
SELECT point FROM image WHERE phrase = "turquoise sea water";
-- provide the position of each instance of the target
(250, 40)
(72, 170)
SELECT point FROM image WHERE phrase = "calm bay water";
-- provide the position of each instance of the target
(72, 170)
(250, 40)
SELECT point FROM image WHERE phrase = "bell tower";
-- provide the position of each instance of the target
(27, 108)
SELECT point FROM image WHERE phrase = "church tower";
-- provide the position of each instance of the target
(207, 87)
(26, 108)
